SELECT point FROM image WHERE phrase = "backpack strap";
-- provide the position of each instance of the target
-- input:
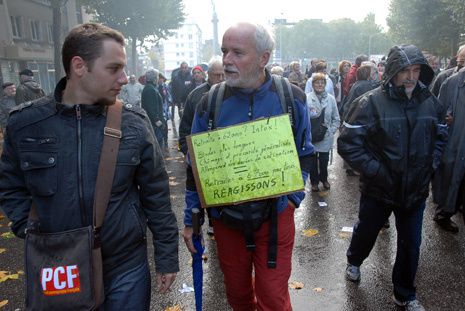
(286, 97)
(215, 99)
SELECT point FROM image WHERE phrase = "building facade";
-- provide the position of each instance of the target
(26, 38)
(184, 45)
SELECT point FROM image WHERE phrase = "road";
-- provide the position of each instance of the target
(318, 261)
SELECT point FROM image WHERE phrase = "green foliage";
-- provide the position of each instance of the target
(432, 25)
(335, 40)
(138, 19)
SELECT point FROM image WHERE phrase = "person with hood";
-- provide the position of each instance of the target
(394, 137)
(28, 89)
(449, 181)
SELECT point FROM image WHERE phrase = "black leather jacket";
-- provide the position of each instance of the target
(392, 140)
(51, 154)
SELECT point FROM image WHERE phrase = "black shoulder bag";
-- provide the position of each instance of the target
(319, 127)
(64, 269)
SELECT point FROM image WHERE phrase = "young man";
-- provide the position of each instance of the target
(250, 94)
(393, 137)
(51, 155)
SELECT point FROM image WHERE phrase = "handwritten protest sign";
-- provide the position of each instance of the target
(245, 162)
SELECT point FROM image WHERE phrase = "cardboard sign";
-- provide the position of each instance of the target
(245, 162)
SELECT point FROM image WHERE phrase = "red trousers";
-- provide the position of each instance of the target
(269, 290)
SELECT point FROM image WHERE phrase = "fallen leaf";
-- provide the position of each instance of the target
(318, 289)
(296, 285)
(173, 183)
(8, 235)
(10, 224)
(20, 272)
(168, 158)
(2, 216)
(310, 232)
(3, 303)
(344, 235)
(174, 308)
(323, 194)
(4, 276)
(172, 178)
(204, 257)
(2, 250)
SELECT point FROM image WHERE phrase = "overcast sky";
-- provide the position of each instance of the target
(261, 11)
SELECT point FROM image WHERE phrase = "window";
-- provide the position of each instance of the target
(50, 33)
(190, 37)
(35, 30)
(16, 26)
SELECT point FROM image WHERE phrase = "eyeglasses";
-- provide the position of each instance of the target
(319, 82)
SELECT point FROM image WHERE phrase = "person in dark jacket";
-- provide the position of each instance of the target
(51, 155)
(7, 102)
(215, 75)
(443, 75)
(180, 82)
(449, 180)
(152, 103)
(28, 89)
(363, 84)
(394, 138)
(352, 75)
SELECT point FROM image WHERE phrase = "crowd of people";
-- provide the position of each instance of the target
(399, 130)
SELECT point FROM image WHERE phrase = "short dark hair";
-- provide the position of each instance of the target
(363, 72)
(321, 65)
(360, 59)
(86, 41)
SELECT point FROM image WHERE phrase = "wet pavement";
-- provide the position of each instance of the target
(318, 261)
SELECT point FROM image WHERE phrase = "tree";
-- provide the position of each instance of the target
(140, 20)
(333, 41)
(426, 23)
(56, 6)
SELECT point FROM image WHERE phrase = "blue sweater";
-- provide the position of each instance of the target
(263, 102)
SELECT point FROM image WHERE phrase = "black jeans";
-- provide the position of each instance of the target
(371, 217)
(319, 167)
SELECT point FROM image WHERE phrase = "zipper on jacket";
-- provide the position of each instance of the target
(79, 160)
(405, 178)
(250, 113)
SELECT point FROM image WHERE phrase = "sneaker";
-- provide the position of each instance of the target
(412, 305)
(326, 185)
(315, 188)
(353, 273)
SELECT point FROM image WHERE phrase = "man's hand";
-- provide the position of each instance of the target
(187, 234)
(164, 281)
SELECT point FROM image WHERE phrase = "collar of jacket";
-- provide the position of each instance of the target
(67, 109)
(398, 92)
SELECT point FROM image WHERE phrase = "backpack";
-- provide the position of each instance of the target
(319, 127)
(249, 216)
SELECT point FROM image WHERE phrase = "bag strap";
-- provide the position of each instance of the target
(106, 168)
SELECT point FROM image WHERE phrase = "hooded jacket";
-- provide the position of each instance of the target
(391, 139)
(50, 157)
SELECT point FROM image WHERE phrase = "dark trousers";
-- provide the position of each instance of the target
(372, 216)
(319, 167)
(441, 214)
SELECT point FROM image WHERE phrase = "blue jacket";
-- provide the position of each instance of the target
(51, 155)
(264, 102)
